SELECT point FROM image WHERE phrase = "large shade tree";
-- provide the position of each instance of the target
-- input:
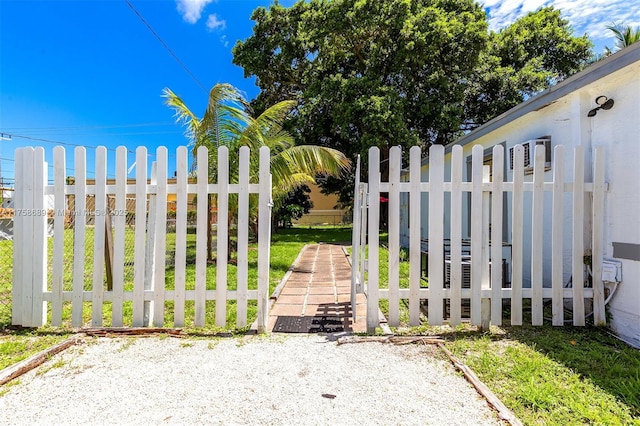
(227, 121)
(400, 72)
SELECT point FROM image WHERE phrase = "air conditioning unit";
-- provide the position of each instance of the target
(465, 270)
(529, 150)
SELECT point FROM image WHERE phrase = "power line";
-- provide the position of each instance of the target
(61, 143)
(93, 127)
(166, 46)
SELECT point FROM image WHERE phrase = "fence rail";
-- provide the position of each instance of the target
(485, 205)
(149, 292)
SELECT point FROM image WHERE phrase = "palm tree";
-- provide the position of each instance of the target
(227, 121)
(625, 36)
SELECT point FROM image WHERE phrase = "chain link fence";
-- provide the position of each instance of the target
(6, 253)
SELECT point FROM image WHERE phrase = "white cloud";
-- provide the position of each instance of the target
(585, 16)
(213, 23)
(191, 10)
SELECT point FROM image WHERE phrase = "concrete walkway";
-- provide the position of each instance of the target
(316, 296)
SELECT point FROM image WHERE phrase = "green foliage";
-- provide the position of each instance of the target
(533, 53)
(296, 204)
(625, 36)
(399, 72)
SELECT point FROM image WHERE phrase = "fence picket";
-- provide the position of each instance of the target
(537, 215)
(97, 290)
(243, 238)
(455, 281)
(119, 221)
(140, 233)
(496, 235)
(57, 273)
(150, 249)
(436, 234)
(395, 164)
(415, 156)
(161, 237)
(264, 238)
(577, 265)
(181, 237)
(79, 226)
(27, 260)
(355, 242)
(517, 232)
(374, 240)
(201, 236)
(39, 265)
(557, 307)
(222, 236)
(476, 234)
(599, 317)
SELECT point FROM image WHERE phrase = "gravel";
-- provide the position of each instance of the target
(278, 379)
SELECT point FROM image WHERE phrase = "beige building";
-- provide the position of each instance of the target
(324, 211)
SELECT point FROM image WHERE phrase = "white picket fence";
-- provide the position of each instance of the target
(31, 289)
(486, 292)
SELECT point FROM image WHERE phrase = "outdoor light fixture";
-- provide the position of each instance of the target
(603, 103)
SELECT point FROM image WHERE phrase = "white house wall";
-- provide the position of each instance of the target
(565, 121)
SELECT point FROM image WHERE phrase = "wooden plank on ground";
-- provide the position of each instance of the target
(504, 413)
(34, 361)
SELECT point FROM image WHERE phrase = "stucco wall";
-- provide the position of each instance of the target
(565, 121)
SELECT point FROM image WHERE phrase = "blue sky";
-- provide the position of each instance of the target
(91, 72)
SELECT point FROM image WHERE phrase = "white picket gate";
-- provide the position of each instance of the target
(32, 290)
(486, 291)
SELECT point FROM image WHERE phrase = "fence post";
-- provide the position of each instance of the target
(264, 239)
(374, 239)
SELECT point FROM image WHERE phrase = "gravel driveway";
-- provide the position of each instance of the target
(278, 379)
